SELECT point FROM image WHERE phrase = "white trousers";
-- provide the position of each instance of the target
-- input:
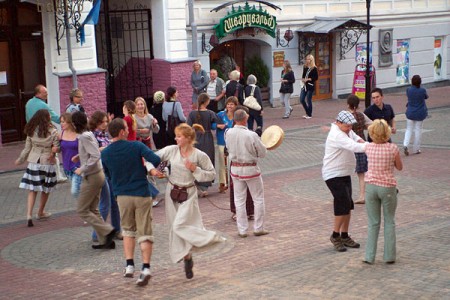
(222, 167)
(415, 126)
(256, 187)
(285, 98)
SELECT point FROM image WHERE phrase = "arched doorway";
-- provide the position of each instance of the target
(227, 55)
(22, 64)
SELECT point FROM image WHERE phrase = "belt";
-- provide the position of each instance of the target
(179, 186)
(237, 164)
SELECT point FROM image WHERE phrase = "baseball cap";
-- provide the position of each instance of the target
(346, 117)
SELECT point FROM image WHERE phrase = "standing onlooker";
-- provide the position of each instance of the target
(287, 88)
(362, 122)
(129, 111)
(245, 148)
(380, 110)
(205, 140)
(41, 146)
(416, 112)
(199, 81)
(146, 123)
(309, 78)
(76, 96)
(233, 87)
(160, 138)
(172, 107)
(122, 161)
(241, 79)
(39, 101)
(186, 229)
(216, 92)
(69, 149)
(226, 117)
(381, 191)
(93, 179)
(338, 165)
(98, 124)
(253, 115)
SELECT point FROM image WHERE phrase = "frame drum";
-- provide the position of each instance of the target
(272, 137)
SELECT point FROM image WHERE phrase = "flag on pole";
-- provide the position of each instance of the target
(92, 18)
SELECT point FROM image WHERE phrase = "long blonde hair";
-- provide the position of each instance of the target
(312, 62)
(143, 101)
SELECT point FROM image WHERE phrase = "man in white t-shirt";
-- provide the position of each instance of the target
(338, 165)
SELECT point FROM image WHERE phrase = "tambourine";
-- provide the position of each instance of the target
(272, 137)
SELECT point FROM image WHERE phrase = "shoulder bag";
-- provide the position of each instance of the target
(251, 101)
(172, 122)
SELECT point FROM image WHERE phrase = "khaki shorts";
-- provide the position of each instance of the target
(136, 217)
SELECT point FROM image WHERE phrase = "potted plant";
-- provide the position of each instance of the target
(257, 67)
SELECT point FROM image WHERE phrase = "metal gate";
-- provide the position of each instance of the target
(124, 49)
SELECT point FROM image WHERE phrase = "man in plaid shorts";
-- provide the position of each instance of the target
(338, 165)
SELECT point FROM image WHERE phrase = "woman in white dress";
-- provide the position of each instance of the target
(187, 164)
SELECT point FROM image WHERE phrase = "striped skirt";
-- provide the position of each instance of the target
(39, 178)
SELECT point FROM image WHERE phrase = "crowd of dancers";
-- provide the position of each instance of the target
(112, 164)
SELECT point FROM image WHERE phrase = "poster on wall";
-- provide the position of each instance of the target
(361, 54)
(437, 58)
(402, 61)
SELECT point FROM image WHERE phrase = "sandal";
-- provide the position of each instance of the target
(44, 216)
(233, 217)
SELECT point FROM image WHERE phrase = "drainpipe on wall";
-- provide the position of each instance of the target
(69, 47)
(193, 28)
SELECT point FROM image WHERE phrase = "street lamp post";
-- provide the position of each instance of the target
(368, 87)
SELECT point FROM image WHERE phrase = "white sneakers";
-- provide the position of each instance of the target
(144, 277)
(129, 271)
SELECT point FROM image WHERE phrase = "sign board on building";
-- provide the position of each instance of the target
(247, 16)
(278, 59)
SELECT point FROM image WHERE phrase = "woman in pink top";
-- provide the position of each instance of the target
(381, 190)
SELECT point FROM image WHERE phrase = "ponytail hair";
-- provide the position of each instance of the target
(131, 108)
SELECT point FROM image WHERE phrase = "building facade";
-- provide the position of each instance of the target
(141, 46)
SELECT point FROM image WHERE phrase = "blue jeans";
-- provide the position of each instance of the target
(106, 204)
(75, 182)
(307, 105)
(378, 197)
(251, 119)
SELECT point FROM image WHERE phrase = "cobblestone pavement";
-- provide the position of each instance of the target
(53, 260)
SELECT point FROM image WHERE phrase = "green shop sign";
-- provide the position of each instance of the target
(246, 17)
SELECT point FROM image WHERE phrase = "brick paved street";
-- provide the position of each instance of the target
(53, 260)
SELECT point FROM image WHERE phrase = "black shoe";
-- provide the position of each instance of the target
(111, 245)
(188, 265)
(30, 223)
(109, 238)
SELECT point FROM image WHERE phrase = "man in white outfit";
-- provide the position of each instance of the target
(245, 148)
(338, 166)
